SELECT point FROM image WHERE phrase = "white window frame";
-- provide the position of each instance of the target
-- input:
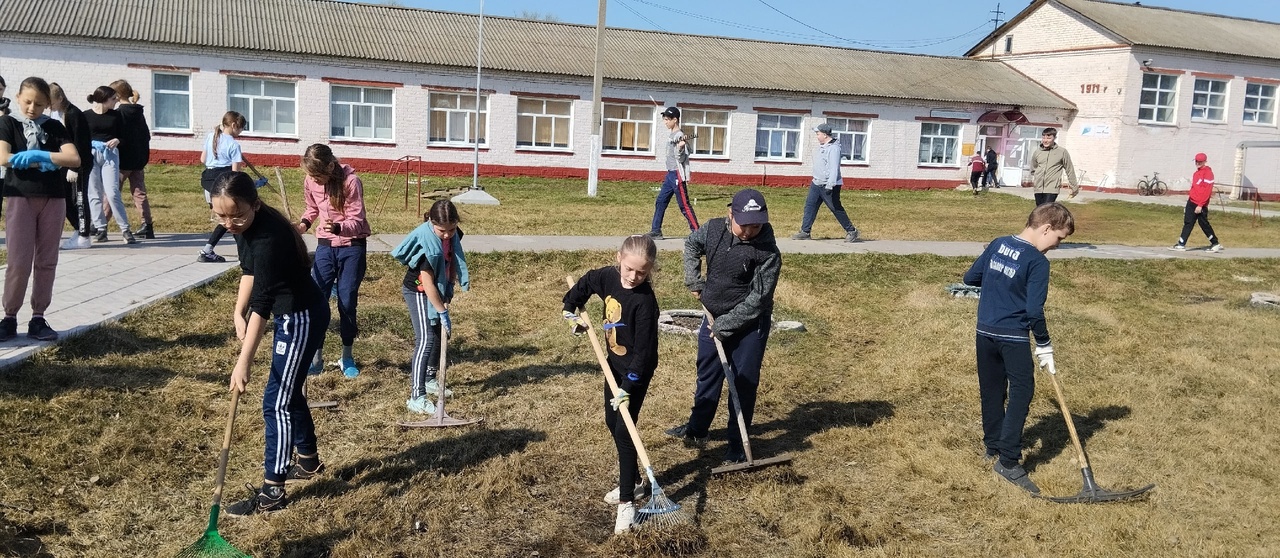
(449, 114)
(1155, 107)
(364, 102)
(156, 92)
(1206, 105)
(557, 122)
(694, 123)
(790, 137)
(928, 132)
(638, 117)
(840, 130)
(1257, 110)
(253, 129)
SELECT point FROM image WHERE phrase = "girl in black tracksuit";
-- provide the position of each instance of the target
(630, 324)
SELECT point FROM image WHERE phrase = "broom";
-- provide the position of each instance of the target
(211, 544)
(660, 510)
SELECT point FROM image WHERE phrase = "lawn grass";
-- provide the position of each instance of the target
(536, 206)
(111, 438)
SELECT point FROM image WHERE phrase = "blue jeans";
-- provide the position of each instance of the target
(345, 265)
(673, 186)
(104, 180)
(745, 351)
(285, 413)
(831, 198)
(1006, 382)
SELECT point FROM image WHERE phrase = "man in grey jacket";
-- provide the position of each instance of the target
(825, 188)
(1047, 167)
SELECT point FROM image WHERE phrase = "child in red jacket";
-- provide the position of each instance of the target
(977, 167)
(1197, 210)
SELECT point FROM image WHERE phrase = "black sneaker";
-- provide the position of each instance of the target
(269, 498)
(657, 235)
(733, 457)
(39, 330)
(209, 257)
(298, 473)
(682, 432)
(146, 231)
(1016, 475)
(8, 329)
(101, 235)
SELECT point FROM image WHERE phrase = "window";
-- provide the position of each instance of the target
(452, 118)
(777, 136)
(543, 123)
(270, 106)
(628, 128)
(1157, 100)
(711, 128)
(172, 98)
(852, 135)
(1259, 104)
(361, 113)
(1008, 44)
(1209, 100)
(939, 143)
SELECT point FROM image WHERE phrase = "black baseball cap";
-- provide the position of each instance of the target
(671, 112)
(749, 208)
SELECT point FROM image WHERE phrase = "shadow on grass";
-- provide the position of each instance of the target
(316, 545)
(23, 539)
(524, 375)
(115, 339)
(473, 352)
(1052, 432)
(45, 381)
(446, 456)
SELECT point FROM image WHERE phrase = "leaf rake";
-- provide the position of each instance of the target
(211, 544)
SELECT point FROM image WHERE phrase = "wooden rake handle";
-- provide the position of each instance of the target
(1066, 414)
(226, 449)
(624, 409)
(733, 386)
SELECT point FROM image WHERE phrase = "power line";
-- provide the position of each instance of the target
(624, 4)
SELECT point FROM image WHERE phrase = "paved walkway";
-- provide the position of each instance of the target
(104, 283)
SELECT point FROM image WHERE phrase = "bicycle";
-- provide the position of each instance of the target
(1152, 187)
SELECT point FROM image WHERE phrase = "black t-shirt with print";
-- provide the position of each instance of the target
(32, 182)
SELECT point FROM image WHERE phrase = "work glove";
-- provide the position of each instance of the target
(48, 167)
(23, 160)
(445, 321)
(72, 176)
(619, 398)
(260, 182)
(335, 228)
(1044, 355)
(578, 325)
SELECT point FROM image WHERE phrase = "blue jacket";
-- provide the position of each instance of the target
(1014, 277)
(423, 244)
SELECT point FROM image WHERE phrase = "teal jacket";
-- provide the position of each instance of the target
(423, 244)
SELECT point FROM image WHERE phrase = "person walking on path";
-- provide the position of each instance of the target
(106, 128)
(135, 152)
(221, 155)
(335, 200)
(743, 263)
(989, 178)
(276, 281)
(1014, 275)
(630, 323)
(825, 187)
(977, 168)
(78, 178)
(676, 181)
(435, 260)
(34, 148)
(1197, 209)
(1048, 164)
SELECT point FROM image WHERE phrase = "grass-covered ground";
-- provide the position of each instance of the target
(561, 207)
(111, 438)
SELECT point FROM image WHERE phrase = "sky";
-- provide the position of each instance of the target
(939, 27)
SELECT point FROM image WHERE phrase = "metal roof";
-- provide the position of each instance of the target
(421, 37)
(1168, 28)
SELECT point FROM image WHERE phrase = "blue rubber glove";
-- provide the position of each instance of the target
(48, 167)
(620, 398)
(579, 326)
(445, 321)
(24, 159)
(260, 182)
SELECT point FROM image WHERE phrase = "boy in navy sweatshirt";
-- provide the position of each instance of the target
(1014, 275)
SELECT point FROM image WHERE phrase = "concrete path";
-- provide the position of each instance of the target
(110, 280)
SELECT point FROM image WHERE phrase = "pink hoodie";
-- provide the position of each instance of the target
(320, 212)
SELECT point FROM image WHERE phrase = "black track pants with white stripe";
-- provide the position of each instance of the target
(285, 413)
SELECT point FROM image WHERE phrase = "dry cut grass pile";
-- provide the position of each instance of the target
(111, 439)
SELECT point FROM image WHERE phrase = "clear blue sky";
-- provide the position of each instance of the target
(944, 27)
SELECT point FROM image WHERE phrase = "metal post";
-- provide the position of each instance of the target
(476, 194)
(597, 110)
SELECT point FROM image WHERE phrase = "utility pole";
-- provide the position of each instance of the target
(597, 111)
(996, 20)
(476, 194)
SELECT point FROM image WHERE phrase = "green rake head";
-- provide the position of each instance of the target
(211, 544)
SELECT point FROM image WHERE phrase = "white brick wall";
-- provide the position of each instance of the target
(1049, 28)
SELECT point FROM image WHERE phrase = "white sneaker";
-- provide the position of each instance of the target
(76, 242)
(420, 405)
(1216, 248)
(432, 387)
(626, 518)
(642, 491)
(1178, 248)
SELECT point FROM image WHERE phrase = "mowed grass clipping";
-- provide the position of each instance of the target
(111, 439)
(539, 206)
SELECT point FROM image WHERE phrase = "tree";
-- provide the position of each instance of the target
(538, 16)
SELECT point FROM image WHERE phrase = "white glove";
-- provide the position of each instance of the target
(72, 176)
(1045, 357)
(619, 398)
